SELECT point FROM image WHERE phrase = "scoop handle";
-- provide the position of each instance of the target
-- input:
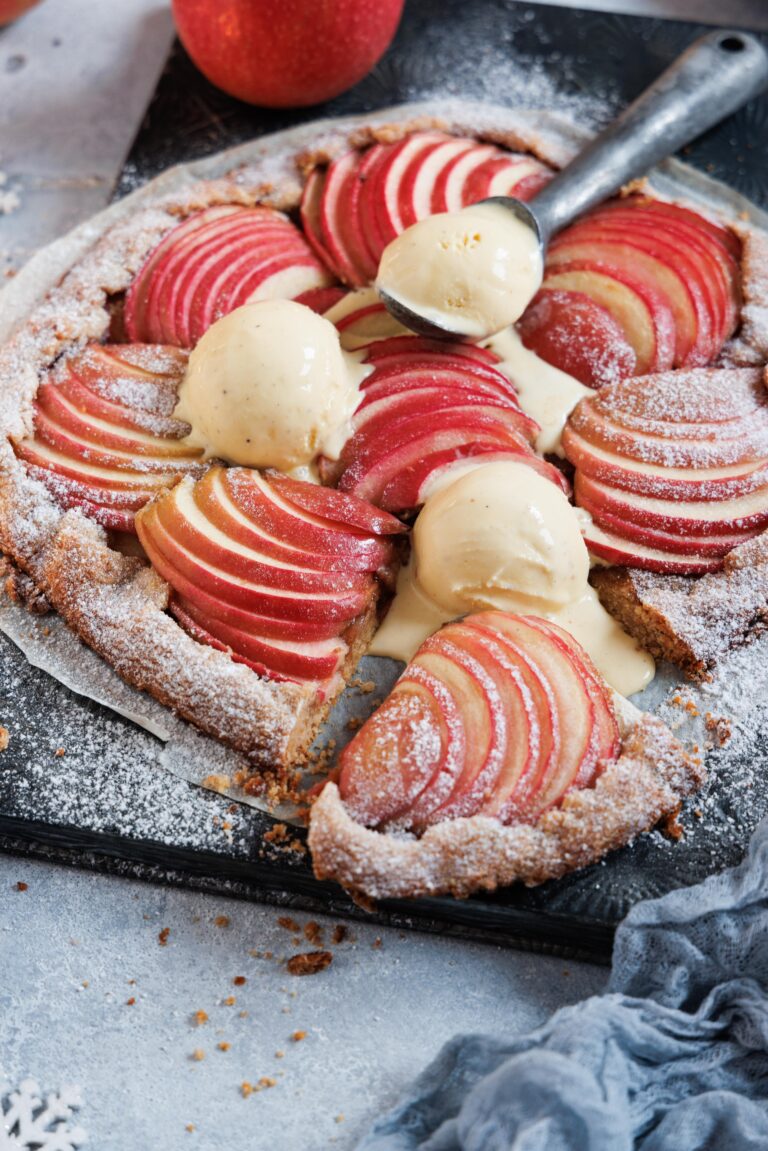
(712, 78)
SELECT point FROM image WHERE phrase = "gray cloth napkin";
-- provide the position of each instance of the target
(674, 1057)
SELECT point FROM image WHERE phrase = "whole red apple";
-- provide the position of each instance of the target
(286, 53)
(10, 9)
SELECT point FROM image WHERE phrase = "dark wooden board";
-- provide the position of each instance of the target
(130, 817)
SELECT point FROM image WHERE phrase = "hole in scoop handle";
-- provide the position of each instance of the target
(712, 78)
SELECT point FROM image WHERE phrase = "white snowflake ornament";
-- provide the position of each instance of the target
(30, 1121)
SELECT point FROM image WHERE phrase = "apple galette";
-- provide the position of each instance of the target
(234, 473)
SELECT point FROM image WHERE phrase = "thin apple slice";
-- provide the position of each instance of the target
(381, 192)
(309, 211)
(576, 334)
(407, 742)
(691, 320)
(314, 660)
(607, 739)
(650, 479)
(321, 300)
(339, 222)
(516, 790)
(521, 749)
(202, 538)
(503, 175)
(615, 549)
(736, 516)
(408, 489)
(448, 191)
(483, 735)
(213, 500)
(188, 280)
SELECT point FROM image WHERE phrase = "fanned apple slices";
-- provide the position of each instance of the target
(213, 262)
(276, 571)
(354, 208)
(497, 715)
(426, 407)
(636, 286)
(105, 439)
(672, 468)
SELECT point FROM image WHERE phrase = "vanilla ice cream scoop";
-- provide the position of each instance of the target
(471, 272)
(269, 386)
(500, 535)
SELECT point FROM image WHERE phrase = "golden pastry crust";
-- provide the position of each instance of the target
(692, 621)
(648, 781)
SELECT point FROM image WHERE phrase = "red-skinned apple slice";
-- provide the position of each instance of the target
(574, 333)
(138, 295)
(311, 201)
(646, 479)
(260, 599)
(505, 176)
(745, 514)
(170, 274)
(182, 519)
(641, 311)
(516, 788)
(515, 750)
(418, 181)
(362, 554)
(410, 486)
(314, 660)
(497, 715)
(381, 191)
(405, 746)
(615, 549)
(477, 699)
(693, 323)
(448, 191)
(695, 301)
(339, 222)
(320, 300)
(578, 742)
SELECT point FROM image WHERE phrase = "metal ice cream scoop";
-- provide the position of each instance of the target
(710, 80)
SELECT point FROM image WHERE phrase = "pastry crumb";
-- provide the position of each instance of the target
(214, 782)
(21, 886)
(198, 1055)
(5, 738)
(162, 936)
(221, 921)
(199, 1018)
(309, 962)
